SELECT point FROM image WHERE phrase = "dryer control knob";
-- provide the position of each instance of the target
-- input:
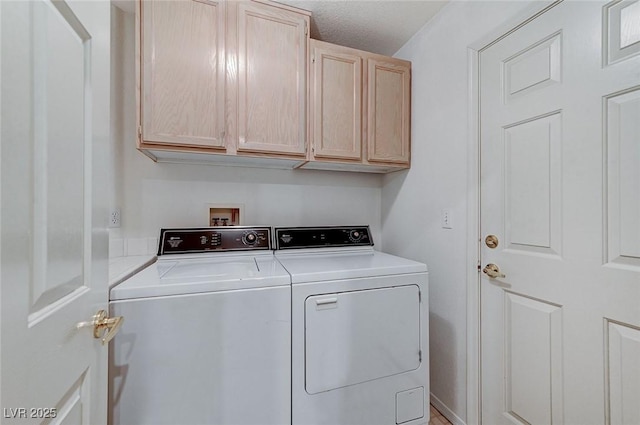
(355, 235)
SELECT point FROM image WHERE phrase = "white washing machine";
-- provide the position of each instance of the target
(207, 333)
(359, 329)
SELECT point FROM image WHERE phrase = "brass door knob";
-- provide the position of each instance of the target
(493, 271)
(104, 327)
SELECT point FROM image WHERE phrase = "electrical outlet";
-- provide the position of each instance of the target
(114, 218)
(447, 219)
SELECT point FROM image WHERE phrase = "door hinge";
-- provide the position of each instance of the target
(306, 29)
(420, 355)
(419, 296)
(140, 132)
(479, 267)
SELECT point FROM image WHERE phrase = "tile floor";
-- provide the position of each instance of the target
(437, 418)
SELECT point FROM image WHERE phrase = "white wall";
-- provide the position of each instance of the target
(412, 201)
(153, 195)
(403, 208)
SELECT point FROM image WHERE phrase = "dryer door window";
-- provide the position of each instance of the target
(359, 336)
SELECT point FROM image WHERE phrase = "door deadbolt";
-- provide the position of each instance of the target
(491, 241)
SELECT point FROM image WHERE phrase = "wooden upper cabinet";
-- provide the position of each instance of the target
(336, 101)
(389, 109)
(360, 110)
(182, 72)
(272, 70)
(230, 78)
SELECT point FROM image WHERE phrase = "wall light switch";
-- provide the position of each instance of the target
(447, 219)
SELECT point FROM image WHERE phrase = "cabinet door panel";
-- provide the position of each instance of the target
(183, 72)
(337, 102)
(389, 110)
(271, 80)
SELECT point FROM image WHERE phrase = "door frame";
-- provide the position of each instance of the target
(473, 354)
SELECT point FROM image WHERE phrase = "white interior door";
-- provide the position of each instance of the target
(560, 189)
(55, 130)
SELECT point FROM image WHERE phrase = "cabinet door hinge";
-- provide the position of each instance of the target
(306, 29)
(419, 296)
(140, 132)
(420, 355)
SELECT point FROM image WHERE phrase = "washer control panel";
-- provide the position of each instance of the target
(321, 237)
(206, 239)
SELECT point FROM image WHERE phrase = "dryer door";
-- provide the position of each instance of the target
(358, 336)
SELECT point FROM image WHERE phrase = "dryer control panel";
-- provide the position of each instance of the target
(322, 237)
(207, 239)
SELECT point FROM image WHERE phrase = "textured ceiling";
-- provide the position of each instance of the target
(379, 26)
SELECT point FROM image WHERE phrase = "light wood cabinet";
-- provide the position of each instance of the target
(182, 68)
(226, 82)
(225, 78)
(389, 110)
(336, 101)
(272, 70)
(360, 110)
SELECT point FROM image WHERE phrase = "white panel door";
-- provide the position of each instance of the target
(55, 132)
(560, 189)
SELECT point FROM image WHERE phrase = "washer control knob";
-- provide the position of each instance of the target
(250, 238)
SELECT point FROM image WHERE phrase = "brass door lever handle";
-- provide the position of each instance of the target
(493, 271)
(101, 322)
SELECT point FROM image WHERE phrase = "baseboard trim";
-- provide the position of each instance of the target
(446, 412)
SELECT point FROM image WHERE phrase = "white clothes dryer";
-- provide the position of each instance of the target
(207, 333)
(359, 329)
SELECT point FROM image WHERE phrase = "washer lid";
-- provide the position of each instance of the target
(349, 263)
(177, 276)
